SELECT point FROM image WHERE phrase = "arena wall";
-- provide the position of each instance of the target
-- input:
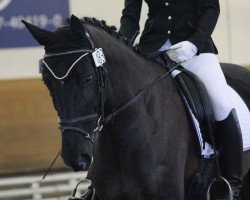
(29, 135)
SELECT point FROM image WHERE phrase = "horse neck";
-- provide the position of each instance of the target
(128, 73)
(155, 116)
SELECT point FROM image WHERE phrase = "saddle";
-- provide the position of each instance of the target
(197, 102)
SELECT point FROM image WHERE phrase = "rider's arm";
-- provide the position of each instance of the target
(210, 10)
(130, 18)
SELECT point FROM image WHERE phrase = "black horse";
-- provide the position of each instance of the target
(147, 148)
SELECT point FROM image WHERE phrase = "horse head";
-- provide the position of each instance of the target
(76, 87)
(87, 95)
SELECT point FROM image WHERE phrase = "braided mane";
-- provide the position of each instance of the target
(111, 30)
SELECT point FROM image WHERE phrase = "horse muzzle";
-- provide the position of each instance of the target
(84, 162)
(77, 151)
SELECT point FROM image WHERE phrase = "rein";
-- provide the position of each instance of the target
(130, 103)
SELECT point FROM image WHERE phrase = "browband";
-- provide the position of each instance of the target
(68, 52)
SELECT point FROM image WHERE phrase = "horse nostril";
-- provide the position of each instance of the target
(84, 162)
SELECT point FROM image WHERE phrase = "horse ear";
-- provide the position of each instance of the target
(77, 26)
(41, 35)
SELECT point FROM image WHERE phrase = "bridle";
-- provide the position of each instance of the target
(72, 123)
(99, 116)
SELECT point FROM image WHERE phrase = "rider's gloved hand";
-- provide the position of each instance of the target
(182, 51)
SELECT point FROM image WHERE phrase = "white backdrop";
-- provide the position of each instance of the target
(232, 35)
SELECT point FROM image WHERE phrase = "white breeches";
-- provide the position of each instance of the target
(206, 66)
(223, 98)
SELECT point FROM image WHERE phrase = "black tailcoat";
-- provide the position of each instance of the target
(176, 20)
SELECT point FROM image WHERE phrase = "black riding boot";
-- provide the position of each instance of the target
(229, 140)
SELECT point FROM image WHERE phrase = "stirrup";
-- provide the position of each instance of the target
(87, 192)
(223, 180)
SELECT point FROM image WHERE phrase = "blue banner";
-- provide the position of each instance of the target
(47, 14)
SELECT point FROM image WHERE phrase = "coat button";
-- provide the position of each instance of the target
(167, 4)
(169, 32)
(169, 17)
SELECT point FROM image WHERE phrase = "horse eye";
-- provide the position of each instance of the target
(87, 78)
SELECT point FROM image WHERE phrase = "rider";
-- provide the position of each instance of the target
(183, 29)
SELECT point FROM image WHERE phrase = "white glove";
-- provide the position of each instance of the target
(182, 51)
